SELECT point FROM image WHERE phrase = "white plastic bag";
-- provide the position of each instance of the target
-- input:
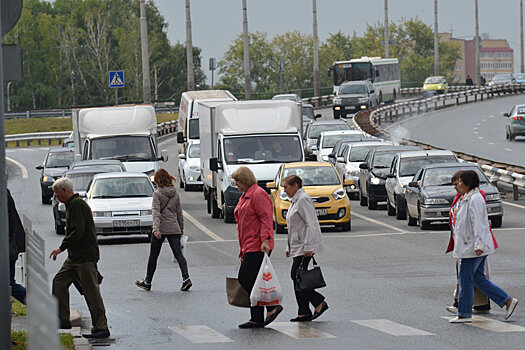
(266, 291)
(183, 241)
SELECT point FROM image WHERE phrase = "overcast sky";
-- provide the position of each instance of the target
(215, 23)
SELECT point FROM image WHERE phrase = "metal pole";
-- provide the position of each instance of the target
(146, 83)
(212, 71)
(189, 49)
(317, 89)
(5, 295)
(116, 96)
(387, 32)
(436, 39)
(246, 43)
(8, 97)
(522, 65)
(477, 43)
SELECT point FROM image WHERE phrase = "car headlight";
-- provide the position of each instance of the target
(152, 178)
(325, 158)
(232, 181)
(352, 173)
(340, 193)
(435, 201)
(105, 214)
(48, 179)
(493, 197)
(62, 207)
(283, 196)
(425, 87)
(440, 87)
(403, 189)
(337, 100)
(145, 212)
(375, 180)
(195, 167)
(363, 100)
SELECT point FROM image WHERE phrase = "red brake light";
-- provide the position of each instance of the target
(517, 117)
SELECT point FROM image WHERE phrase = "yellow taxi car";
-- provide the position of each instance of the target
(437, 83)
(322, 182)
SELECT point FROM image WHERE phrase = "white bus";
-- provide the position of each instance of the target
(383, 72)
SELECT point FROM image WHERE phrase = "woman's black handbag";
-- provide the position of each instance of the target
(309, 279)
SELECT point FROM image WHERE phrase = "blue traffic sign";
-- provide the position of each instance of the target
(116, 79)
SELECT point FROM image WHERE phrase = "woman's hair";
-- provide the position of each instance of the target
(469, 178)
(293, 179)
(63, 184)
(244, 175)
(456, 177)
(162, 178)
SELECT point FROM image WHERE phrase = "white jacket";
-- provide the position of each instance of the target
(471, 229)
(304, 232)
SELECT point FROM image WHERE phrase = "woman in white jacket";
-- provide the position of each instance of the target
(472, 243)
(304, 240)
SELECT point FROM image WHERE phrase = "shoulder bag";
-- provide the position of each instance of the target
(309, 279)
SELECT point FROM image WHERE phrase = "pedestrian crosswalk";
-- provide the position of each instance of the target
(299, 330)
(492, 325)
(391, 327)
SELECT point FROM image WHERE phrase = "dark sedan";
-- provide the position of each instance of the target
(57, 162)
(430, 194)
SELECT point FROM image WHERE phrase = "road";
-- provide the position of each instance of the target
(388, 283)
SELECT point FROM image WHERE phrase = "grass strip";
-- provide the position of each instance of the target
(18, 308)
(19, 340)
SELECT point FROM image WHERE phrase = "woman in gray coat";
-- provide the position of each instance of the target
(304, 240)
(168, 222)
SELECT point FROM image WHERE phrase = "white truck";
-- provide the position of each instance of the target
(261, 135)
(126, 133)
(189, 112)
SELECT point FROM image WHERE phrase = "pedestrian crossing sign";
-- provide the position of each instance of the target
(116, 79)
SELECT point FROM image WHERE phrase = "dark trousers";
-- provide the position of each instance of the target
(87, 273)
(18, 291)
(304, 297)
(156, 245)
(250, 265)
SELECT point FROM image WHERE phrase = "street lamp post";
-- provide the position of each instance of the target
(387, 32)
(146, 83)
(8, 97)
(246, 45)
(317, 89)
(436, 39)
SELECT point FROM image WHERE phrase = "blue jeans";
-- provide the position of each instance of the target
(18, 291)
(471, 273)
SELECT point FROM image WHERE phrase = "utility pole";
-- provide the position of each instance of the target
(317, 89)
(189, 49)
(146, 83)
(436, 39)
(522, 65)
(246, 42)
(387, 32)
(477, 43)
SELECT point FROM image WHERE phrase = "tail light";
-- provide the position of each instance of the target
(517, 117)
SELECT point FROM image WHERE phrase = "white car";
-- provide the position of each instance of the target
(121, 203)
(189, 166)
(328, 139)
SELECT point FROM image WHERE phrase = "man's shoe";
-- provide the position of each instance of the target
(460, 320)
(511, 308)
(323, 309)
(66, 326)
(186, 285)
(143, 285)
(273, 316)
(305, 318)
(96, 335)
(251, 324)
(480, 311)
(452, 309)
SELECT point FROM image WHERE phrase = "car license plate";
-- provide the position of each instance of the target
(350, 107)
(321, 212)
(126, 223)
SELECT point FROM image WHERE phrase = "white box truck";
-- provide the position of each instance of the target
(126, 133)
(261, 135)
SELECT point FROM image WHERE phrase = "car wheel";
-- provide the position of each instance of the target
(496, 221)
(410, 220)
(279, 228)
(363, 201)
(391, 211)
(400, 209)
(507, 135)
(215, 211)
(511, 136)
(59, 229)
(228, 214)
(423, 225)
(395, 95)
(181, 184)
(45, 200)
(372, 205)
(380, 97)
(347, 226)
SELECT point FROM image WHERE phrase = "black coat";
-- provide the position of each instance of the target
(17, 235)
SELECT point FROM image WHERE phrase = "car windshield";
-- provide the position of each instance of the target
(109, 167)
(443, 176)
(383, 159)
(308, 112)
(434, 80)
(124, 148)
(285, 97)
(329, 141)
(118, 187)
(193, 128)
(80, 181)
(353, 89)
(316, 130)
(410, 166)
(262, 149)
(314, 176)
(194, 151)
(60, 159)
(358, 154)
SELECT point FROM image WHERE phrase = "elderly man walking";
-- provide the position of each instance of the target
(81, 263)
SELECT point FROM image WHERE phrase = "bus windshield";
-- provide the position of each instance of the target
(351, 72)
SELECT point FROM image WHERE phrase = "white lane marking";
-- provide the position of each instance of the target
(491, 116)
(23, 168)
(475, 128)
(475, 132)
(378, 222)
(514, 205)
(483, 120)
(201, 334)
(480, 138)
(201, 226)
(392, 328)
(298, 330)
(478, 123)
(492, 325)
(508, 149)
(491, 143)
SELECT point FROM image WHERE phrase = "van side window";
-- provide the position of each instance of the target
(86, 151)
(394, 166)
(219, 152)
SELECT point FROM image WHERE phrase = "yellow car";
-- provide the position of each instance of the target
(322, 182)
(438, 84)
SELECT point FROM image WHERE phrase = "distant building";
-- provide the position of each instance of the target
(495, 56)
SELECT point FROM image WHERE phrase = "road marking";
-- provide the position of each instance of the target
(392, 328)
(298, 330)
(378, 222)
(491, 325)
(508, 149)
(480, 137)
(201, 334)
(475, 132)
(475, 128)
(514, 205)
(201, 226)
(483, 120)
(491, 143)
(23, 168)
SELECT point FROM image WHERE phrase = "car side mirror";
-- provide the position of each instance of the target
(363, 166)
(506, 115)
(271, 185)
(164, 155)
(215, 164)
(391, 176)
(180, 137)
(312, 158)
(348, 182)
(39, 167)
(372, 91)
(331, 155)
(317, 116)
(494, 181)
(413, 184)
(182, 156)
(340, 160)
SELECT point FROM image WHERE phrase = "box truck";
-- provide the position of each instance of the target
(261, 135)
(126, 133)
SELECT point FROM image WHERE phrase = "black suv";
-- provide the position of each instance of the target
(354, 96)
(58, 161)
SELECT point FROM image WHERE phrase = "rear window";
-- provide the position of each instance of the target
(410, 166)
(443, 176)
(315, 130)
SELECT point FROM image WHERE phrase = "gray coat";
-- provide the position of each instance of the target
(167, 212)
